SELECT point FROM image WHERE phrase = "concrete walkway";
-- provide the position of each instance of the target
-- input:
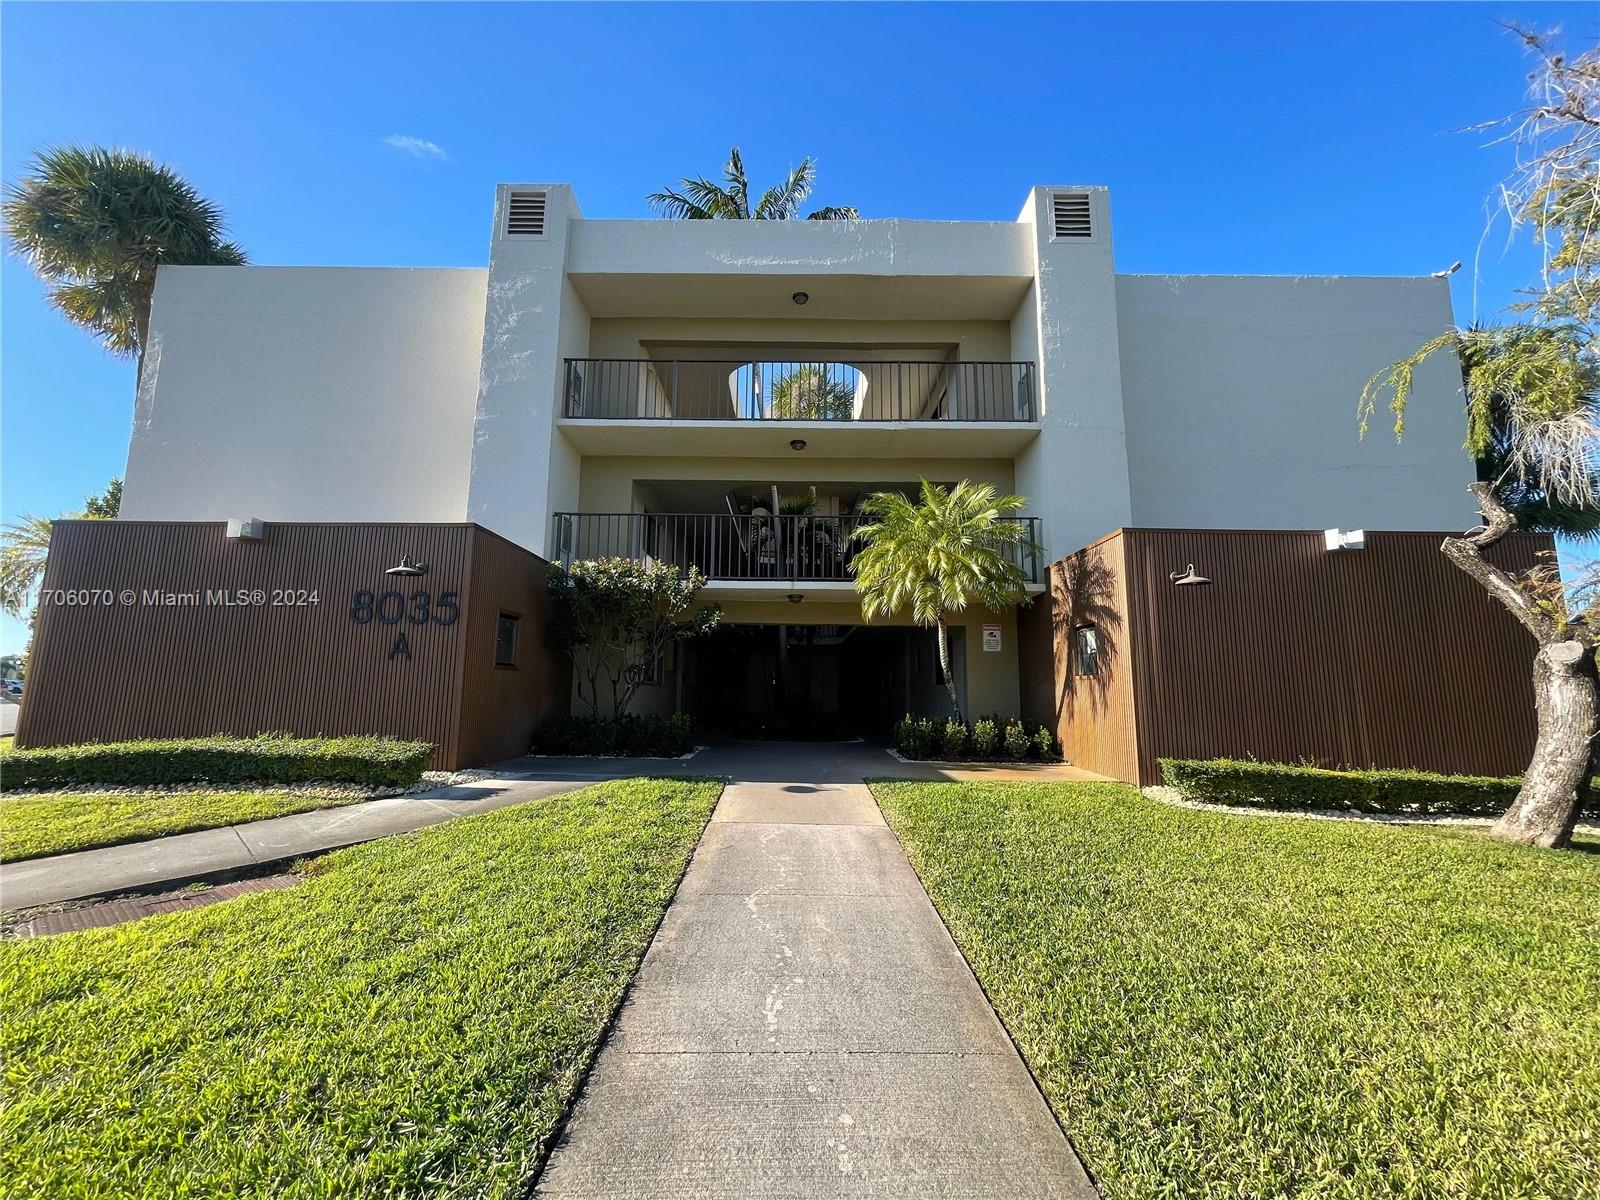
(185, 856)
(802, 1026)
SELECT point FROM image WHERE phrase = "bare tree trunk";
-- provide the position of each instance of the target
(1566, 694)
(1557, 779)
(944, 665)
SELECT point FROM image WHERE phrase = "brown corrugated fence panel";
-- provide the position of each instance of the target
(1387, 656)
(103, 672)
(502, 706)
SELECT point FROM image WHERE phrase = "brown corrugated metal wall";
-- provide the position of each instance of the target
(1093, 716)
(1387, 656)
(501, 706)
(122, 664)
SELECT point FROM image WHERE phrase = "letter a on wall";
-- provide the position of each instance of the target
(401, 647)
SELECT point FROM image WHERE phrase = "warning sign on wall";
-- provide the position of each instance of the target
(991, 637)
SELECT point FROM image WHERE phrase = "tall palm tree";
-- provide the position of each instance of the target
(96, 223)
(940, 554)
(702, 200)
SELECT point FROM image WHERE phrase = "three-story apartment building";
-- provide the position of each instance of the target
(726, 394)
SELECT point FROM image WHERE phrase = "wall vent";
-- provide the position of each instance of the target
(1072, 215)
(525, 214)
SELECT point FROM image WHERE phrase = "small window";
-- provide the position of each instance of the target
(505, 641)
(1086, 650)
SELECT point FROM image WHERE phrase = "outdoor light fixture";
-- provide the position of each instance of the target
(800, 297)
(407, 567)
(1187, 577)
(1339, 539)
(797, 444)
(795, 597)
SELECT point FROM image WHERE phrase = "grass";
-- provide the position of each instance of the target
(36, 824)
(411, 1020)
(1238, 1006)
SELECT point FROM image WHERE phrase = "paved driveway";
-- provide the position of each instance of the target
(802, 1025)
(9, 711)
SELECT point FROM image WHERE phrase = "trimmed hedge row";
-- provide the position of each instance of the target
(1283, 785)
(987, 739)
(266, 758)
(629, 735)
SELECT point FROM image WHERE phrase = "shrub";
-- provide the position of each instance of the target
(1016, 740)
(631, 735)
(265, 758)
(1043, 744)
(925, 738)
(1282, 785)
(916, 737)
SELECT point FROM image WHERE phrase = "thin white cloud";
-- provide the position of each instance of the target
(416, 147)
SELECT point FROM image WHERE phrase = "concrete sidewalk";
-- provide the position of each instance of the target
(186, 856)
(802, 1026)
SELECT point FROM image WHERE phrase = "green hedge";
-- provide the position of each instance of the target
(266, 758)
(991, 738)
(632, 736)
(1281, 785)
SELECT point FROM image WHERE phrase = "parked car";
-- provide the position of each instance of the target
(13, 687)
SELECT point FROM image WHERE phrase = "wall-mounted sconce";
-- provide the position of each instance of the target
(1340, 539)
(247, 529)
(1187, 577)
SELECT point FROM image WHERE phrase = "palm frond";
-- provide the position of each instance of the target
(947, 551)
(782, 202)
(105, 219)
(24, 545)
(699, 199)
(836, 213)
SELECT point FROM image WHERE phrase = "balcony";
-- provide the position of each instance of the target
(741, 552)
(852, 406)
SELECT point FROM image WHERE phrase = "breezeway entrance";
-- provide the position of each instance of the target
(814, 681)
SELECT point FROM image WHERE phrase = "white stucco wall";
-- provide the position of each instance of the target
(307, 394)
(1240, 404)
(1075, 475)
(522, 465)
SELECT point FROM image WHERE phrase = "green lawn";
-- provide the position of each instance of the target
(33, 825)
(1239, 1006)
(411, 1020)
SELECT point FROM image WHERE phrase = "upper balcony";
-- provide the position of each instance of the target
(861, 405)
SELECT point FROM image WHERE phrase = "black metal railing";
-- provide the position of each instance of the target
(725, 547)
(643, 389)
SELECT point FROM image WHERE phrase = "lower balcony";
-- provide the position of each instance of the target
(734, 550)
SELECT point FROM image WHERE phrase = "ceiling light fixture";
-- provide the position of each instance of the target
(795, 597)
(800, 297)
(797, 444)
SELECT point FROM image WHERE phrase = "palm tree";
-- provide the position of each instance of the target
(937, 556)
(702, 200)
(23, 547)
(95, 224)
(812, 393)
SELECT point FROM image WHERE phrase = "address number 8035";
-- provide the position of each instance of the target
(419, 608)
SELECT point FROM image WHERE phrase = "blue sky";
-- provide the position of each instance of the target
(1258, 138)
